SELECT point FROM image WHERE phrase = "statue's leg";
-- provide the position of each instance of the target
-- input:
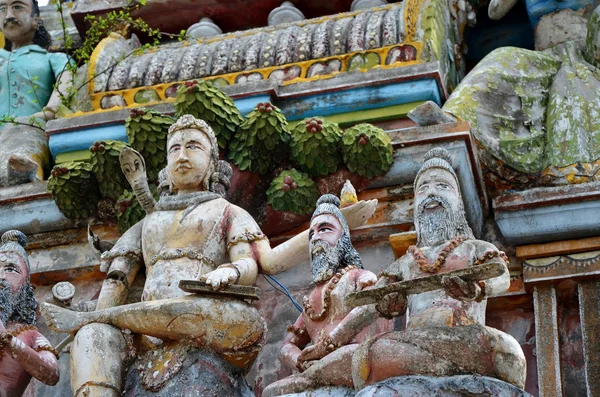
(332, 370)
(96, 361)
(509, 359)
(222, 324)
(386, 355)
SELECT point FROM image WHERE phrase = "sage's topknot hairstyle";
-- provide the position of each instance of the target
(15, 241)
(436, 158)
(330, 204)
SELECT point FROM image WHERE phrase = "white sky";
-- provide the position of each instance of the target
(42, 2)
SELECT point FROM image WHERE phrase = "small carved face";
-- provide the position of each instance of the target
(324, 228)
(13, 269)
(436, 182)
(16, 20)
(189, 160)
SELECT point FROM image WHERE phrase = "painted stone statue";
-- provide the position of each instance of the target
(25, 352)
(334, 329)
(28, 73)
(191, 233)
(536, 112)
(445, 331)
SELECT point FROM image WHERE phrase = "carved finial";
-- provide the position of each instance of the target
(286, 12)
(348, 195)
(205, 28)
(364, 4)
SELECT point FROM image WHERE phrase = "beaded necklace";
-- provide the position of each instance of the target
(326, 296)
(424, 263)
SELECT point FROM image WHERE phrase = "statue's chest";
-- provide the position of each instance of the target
(430, 261)
(171, 229)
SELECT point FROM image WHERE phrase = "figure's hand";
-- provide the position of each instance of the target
(392, 305)
(304, 365)
(358, 214)
(132, 164)
(310, 355)
(366, 280)
(466, 291)
(221, 277)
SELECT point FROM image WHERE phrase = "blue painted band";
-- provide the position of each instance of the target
(72, 141)
(361, 98)
(247, 104)
(536, 9)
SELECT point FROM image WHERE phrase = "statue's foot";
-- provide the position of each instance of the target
(21, 169)
(62, 320)
(290, 385)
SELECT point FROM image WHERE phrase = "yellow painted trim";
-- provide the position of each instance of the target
(369, 115)
(94, 59)
(78, 155)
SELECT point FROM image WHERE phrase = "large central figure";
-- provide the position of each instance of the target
(191, 233)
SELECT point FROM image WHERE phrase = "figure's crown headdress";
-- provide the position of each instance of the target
(189, 122)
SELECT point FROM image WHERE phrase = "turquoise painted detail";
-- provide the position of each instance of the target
(536, 9)
(27, 77)
(72, 141)
(361, 98)
(247, 104)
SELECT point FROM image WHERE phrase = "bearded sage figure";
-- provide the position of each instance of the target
(25, 352)
(445, 331)
(334, 329)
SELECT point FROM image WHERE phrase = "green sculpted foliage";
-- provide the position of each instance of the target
(128, 210)
(147, 132)
(106, 166)
(367, 150)
(74, 189)
(315, 146)
(261, 141)
(206, 101)
(292, 191)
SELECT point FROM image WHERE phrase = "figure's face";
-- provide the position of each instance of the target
(434, 183)
(324, 228)
(188, 160)
(324, 234)
(16, 20)
(13, 270)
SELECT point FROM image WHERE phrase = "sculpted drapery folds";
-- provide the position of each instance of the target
(445, 330)
(25, 352)
(191, 233)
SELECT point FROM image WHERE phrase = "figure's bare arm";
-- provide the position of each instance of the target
(498, 285)
(37, 360)
(295, 340)
(242, 235)
(360, 317)
(121, 265)
(295, 250)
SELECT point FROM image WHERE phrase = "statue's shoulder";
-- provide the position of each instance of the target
(397, 268)
(480, 246)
